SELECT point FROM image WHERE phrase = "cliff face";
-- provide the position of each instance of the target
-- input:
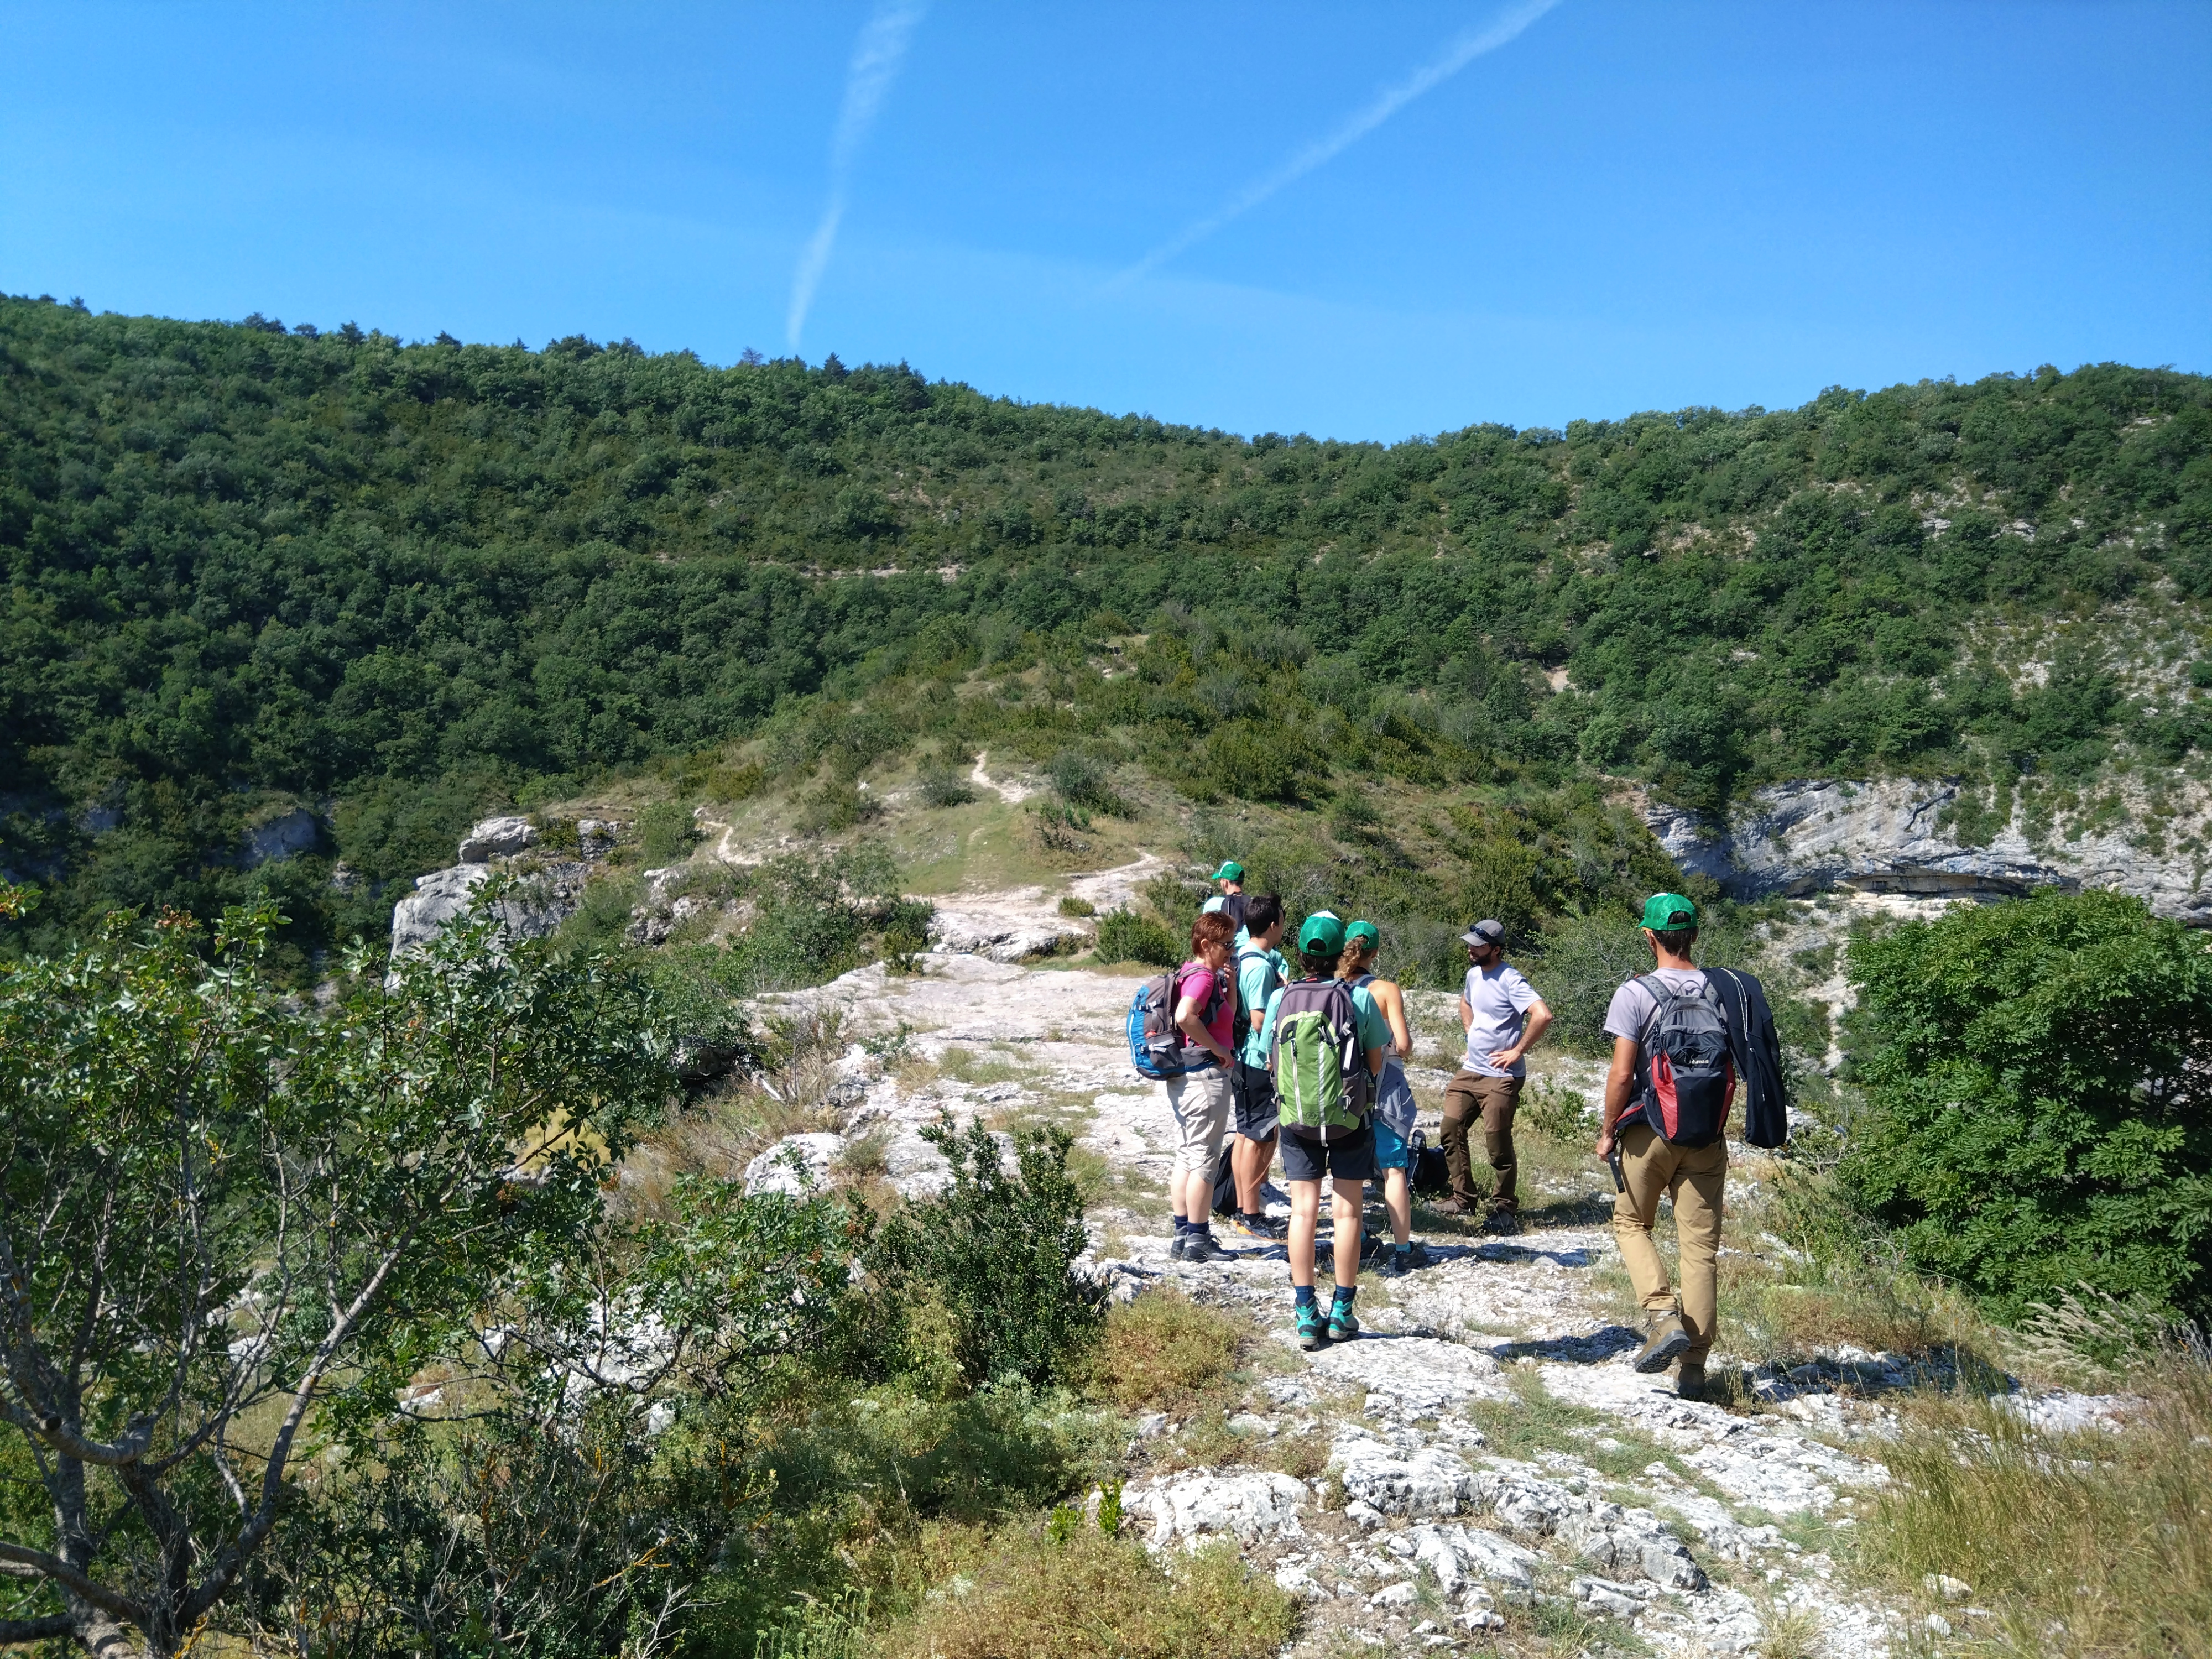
(1892, 836)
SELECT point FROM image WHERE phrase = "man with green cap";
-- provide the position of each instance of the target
(1646, 1012)
(1340, 1147)
(1230, 898)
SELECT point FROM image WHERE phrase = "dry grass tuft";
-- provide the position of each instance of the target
(2089, 1542)
(1163, 1351)
(1035, 1599)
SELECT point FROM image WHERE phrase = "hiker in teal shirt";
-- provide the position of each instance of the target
(1261, 970)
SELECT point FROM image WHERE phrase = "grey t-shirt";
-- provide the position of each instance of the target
(1632, 1003)
(1499, 999)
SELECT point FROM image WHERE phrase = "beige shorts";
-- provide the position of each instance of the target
(1198, 1101)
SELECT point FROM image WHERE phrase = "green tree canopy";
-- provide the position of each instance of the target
(2041, 1084)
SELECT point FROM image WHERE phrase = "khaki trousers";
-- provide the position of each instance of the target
(1693, 1180)
(1470, 1097)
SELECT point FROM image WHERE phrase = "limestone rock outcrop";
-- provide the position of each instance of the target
(1890, 836)
(285, 836)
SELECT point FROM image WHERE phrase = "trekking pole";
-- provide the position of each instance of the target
(1613, 1162)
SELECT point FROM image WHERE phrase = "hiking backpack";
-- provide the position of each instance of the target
(1430, 1174)
(1685, 1080)
(1158, 1047)
(1320, 1071)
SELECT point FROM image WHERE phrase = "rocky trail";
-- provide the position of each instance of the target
(1594, 1494)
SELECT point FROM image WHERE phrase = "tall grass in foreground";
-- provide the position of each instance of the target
(2080, 1543)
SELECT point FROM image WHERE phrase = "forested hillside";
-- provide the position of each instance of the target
(250, 566)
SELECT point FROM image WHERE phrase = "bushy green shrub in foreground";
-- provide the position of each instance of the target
(2042, 1084)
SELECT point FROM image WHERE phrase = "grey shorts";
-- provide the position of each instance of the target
(1198, 1101)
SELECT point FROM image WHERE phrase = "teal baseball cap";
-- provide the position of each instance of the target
(1668, 912)
(1366, 930)
(1230, 871)
(1322, 933)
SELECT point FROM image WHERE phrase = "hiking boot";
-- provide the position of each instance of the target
(1690, 1383)
(1504, 1219)
(1257, 1228)
(1397, 1265)
(1313, 1327)
(1175, 1250)
(1417, 1255)
(1455, 1206)
(1668, 1342)
(1343, 1323)
(1201, 1248)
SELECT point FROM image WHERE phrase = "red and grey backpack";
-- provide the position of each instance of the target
(1685, 1080)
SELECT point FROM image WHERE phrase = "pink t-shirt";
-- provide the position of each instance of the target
(1196, 980)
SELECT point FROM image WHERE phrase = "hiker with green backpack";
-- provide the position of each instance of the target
(1325, 1054)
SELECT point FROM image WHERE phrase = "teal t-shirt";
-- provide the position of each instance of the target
(1373, 1026)
(1260, 974)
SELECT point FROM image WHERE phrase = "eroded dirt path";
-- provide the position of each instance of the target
(1708, 1531)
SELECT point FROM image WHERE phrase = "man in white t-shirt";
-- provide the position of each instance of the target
(1503, 1019)
(1646, 1166)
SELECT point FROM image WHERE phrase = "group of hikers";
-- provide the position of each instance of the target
(1306, 1057)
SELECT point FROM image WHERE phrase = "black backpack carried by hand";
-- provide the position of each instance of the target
(1685, 1073)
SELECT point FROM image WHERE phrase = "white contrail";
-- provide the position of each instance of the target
(875, 65)
(1461, 52)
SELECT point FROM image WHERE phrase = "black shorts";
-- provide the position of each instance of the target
(1252, 1088)
(1344, 1158)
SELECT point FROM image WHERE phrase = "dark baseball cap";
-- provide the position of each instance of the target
(1485, 931)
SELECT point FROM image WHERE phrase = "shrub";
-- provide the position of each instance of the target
(2038, 1081)
(1556, 1113)
(941, 786)
(1124, 936)
(1082, 781)
(1580, 962)
(1070, 905)
(999, 1249)
(668, 831)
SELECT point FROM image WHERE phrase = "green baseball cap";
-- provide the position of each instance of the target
(1230, 871)
(1366, 930)
(1322, 933)
(1668, 912)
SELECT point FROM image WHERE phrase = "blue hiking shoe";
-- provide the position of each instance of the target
(1343, 1323)
(1313, 1328)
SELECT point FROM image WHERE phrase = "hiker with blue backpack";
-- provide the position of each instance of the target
(1394, 1110)
(1325, 1056)
(1180, 1025)
(1683, 1039)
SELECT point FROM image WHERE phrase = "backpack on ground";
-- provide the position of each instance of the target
(1430, 1176)
(1320, 1071)
(1158, 1047)
(1686, 1080)
(1225, 1183)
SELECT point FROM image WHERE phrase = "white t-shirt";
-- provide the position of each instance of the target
(1633, 1003)
(1500, 998)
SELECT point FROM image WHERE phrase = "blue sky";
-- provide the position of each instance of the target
(1621, 207)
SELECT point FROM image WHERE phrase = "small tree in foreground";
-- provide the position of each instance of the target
(2041, 1076)
(222, 1218)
